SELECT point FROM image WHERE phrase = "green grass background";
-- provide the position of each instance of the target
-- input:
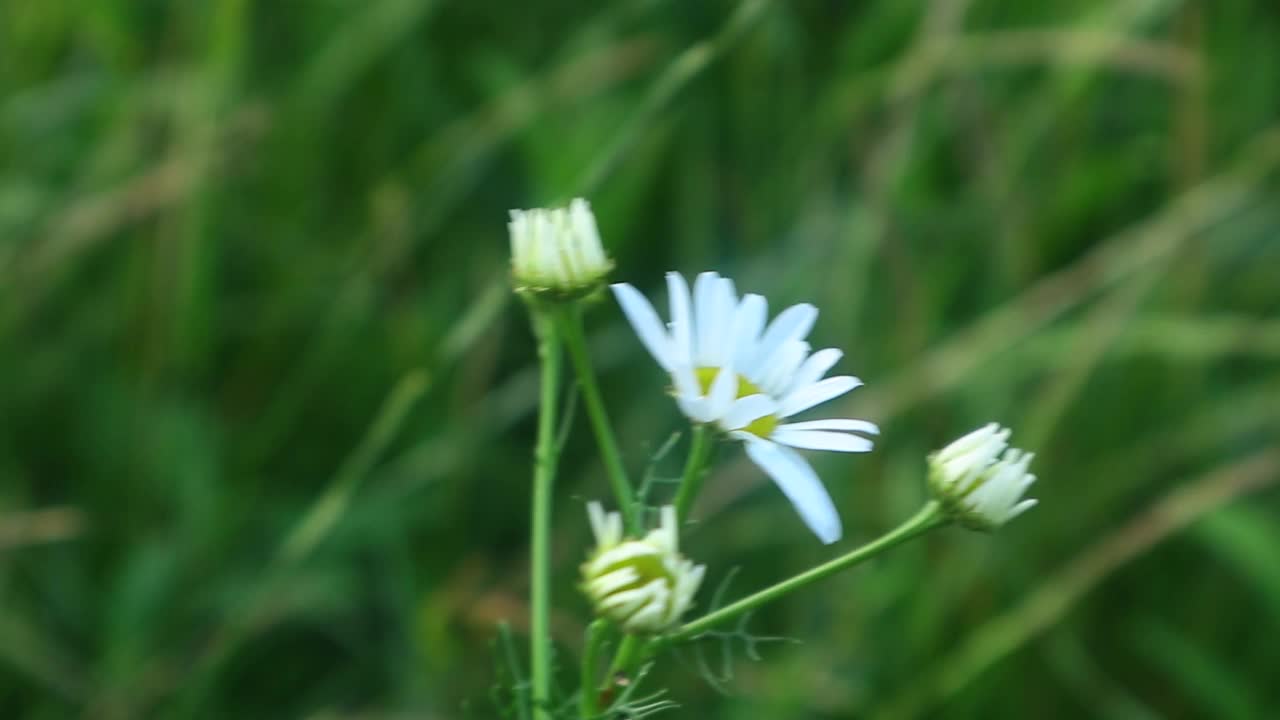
(266, 403)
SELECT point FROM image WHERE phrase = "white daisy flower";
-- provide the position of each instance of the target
(729, 368)
(978, 487)
(557, 250)
(642, 585)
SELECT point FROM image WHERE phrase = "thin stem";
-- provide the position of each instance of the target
(588, 702)
(929, 517)
(513, 666)
(570, 323)
(631, 652)
(544, 473)
(694, 471)
(626, 656)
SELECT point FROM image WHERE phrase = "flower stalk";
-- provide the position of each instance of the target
(588, 701)
(628, 654)
(695, 468)
(929, 517)
(569, 321)
(545, 460)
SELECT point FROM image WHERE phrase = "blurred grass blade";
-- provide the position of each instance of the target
(328, 509)
(1246, 539)
(1109, 263)
(679, 73)
(356, 44)
(1209, 681)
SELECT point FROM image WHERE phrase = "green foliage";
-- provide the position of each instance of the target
(266, 407)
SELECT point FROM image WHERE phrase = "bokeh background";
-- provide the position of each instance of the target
(266, 402)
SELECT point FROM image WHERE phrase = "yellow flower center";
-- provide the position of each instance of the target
(760, 427)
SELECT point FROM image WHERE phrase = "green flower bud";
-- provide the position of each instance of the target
(978, 488)
(557, 251)
(642, 585)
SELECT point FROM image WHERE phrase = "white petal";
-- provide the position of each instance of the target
(645, 321)
(794, 323)
(694, 408)
(610, 582)
(617, 555)
(817, 393)
(715, 347)
(686, 383)
(748, 321)
(1020, 508)
(747, 410)
(649, 617)
(667, 534)
(821, 440)
(705, 293)
(800, 484)
(681, 318)
(984, 437)
(862, 426)
(723, 392)
(731, 291)
(689, 394)
(607, 527)
(628, 601)
(816, 366)
(687, 582)
(726, 302)
(775, 376)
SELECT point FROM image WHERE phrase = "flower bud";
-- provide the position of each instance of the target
(642, 585)
(557, 251)
(978, 488)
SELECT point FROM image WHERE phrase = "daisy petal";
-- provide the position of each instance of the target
(849, 425)
(991, 439)
(794, 323)
(686, 383)
(694, 408)
(748, 321)
(681, 318)
(706, 325)
(723, 392)
(689, 394)
(645, 321)
(774, 376)
(717, 344)
(815, 367)
(816, 394)
(730, 291)
(800, 484)
(1021, 507)
(821, 440)
(747, 410)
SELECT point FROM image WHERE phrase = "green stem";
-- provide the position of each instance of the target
(508, 648)
(570, 323)
(625, 661)
(929, 517)
(694, 471)
(625, 657)
(544, 473)
(588, 702)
